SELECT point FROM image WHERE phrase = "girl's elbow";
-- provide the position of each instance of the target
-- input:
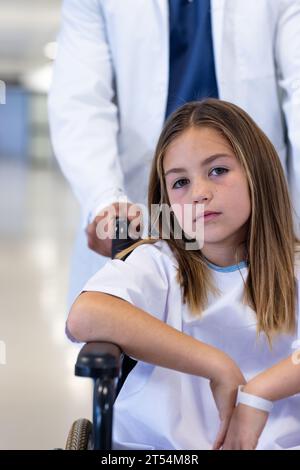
(73, 327)
(86, 321)
(77, 323)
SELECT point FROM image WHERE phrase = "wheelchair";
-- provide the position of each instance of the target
(108, 366)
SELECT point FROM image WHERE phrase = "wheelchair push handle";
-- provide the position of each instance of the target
(122, 239)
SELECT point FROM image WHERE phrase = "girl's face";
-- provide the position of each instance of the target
(200, 167)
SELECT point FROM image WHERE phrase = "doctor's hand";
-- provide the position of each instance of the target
(224, 389)
(101, 231)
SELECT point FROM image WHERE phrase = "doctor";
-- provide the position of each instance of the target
(124, 65)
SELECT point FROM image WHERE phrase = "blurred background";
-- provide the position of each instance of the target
(40, 397)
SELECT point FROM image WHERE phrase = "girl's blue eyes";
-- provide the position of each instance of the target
(175, 185)
(219, 168)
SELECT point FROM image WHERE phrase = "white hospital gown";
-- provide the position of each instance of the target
(159, 408)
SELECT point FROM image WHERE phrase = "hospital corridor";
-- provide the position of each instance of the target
(39, 394)
(40, 397)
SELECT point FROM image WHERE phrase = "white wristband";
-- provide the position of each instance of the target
(253, 401)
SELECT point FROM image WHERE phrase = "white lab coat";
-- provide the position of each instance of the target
(108, 97)
(159, 408)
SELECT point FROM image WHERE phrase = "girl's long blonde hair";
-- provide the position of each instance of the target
(270, 288)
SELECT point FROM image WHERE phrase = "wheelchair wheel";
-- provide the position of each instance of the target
(80, 435)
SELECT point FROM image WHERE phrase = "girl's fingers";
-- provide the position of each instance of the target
(221, 434)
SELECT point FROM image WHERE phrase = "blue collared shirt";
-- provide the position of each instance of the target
(192, 73)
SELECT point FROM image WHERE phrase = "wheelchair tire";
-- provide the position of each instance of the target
(80, 435)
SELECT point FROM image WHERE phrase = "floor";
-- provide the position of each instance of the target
(40, 397)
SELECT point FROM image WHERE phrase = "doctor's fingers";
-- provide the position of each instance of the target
(120, 209)
(104, 226)
(133, 213)
(136, 226)
(100, 243)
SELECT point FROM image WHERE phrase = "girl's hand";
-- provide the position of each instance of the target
(224, 391)
(246, 426)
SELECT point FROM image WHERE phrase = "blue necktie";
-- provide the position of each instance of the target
(191, 63)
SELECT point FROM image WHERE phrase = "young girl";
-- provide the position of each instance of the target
(202, 322)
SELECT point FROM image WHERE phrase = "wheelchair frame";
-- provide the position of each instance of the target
(106, 364)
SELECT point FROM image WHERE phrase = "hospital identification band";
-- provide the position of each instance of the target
(253, 401)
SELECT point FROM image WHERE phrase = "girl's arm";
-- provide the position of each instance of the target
(96, 316)
(278, 382)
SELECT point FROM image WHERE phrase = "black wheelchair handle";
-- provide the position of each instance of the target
(99, 360)
(122, 239)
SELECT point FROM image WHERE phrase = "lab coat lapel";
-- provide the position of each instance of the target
(223, 19)
(161, 8)
(162, 13)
